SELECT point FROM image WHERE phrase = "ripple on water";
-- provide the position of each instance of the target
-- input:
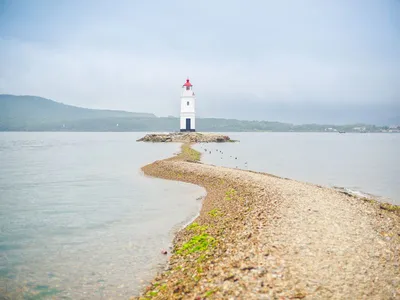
(77, 217)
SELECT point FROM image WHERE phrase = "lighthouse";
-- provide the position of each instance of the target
(188, 122)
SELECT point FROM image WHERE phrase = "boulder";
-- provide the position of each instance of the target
(185, 137)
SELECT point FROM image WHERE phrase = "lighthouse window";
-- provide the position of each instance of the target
(187, 103)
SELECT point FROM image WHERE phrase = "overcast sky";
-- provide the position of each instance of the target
(325, 61)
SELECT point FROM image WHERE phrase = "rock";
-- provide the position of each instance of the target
(185, 137)
(164, 252)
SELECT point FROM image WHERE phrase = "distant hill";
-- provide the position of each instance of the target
(29, 113)
(19, 110)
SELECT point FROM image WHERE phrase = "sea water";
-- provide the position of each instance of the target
(362, 163)
(79, 220)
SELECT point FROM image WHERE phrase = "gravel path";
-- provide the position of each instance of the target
(332, 245)
(280, 239)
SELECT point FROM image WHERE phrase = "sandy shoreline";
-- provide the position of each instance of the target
(259, 236)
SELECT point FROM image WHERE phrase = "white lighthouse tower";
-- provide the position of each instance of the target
(188, 122)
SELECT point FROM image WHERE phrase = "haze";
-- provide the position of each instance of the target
(332, 61)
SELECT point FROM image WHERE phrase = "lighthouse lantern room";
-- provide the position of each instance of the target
(188, 122)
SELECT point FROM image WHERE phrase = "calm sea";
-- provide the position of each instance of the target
(360, 163)
(78, 219)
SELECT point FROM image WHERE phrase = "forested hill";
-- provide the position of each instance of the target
(29, 113)
(18, 110)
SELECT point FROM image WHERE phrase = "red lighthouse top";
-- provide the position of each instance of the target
(187, 83)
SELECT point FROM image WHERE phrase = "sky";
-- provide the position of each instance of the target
(310, 61)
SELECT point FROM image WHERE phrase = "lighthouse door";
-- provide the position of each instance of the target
(188, 124)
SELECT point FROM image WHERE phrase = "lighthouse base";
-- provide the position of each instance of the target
(188, 130)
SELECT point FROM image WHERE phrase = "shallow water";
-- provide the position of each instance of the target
(79, 220)
(366, 163)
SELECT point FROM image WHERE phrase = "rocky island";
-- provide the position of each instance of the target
(185, 137)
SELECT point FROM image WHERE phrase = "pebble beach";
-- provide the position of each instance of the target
(259, 236)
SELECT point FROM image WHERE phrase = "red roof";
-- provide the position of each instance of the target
(187, 83)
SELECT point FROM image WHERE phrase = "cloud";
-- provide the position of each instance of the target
(135, 56)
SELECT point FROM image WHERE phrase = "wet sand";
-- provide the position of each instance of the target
(259, 236)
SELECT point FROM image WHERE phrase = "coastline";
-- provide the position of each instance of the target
(262, 236)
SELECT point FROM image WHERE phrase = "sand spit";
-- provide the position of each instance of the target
(185, 137)
(259, 236)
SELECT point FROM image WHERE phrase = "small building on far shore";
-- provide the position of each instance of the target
(188, 112)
